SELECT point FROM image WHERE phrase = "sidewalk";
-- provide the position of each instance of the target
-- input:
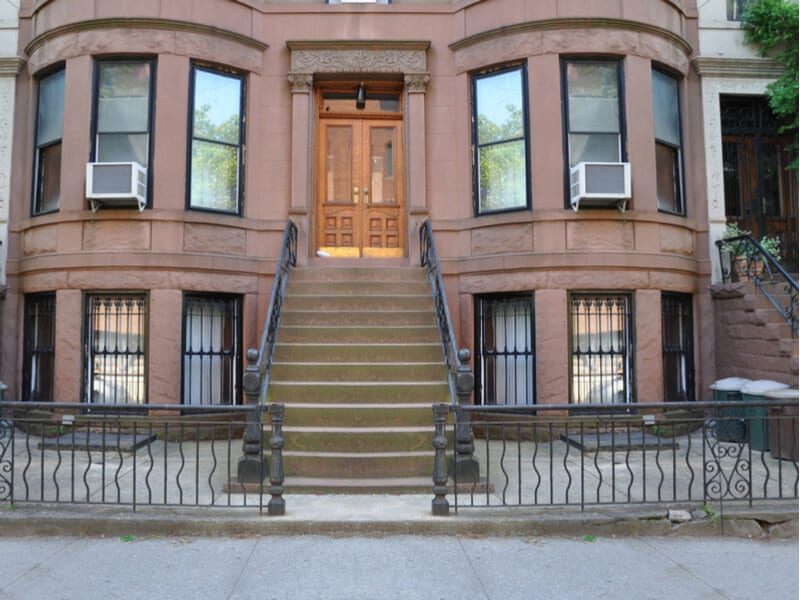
(396, 567)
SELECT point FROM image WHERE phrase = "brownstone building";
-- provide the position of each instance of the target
(160, 147)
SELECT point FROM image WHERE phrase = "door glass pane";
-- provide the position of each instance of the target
(339, 165)
(382, 182)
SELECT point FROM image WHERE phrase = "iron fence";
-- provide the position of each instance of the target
(124, 455)
(690, 452)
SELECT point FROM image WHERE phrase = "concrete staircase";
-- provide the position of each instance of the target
(358, 364)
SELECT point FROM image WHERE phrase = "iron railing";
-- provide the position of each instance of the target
(287, 259)
(743, 258)
(125, 455)
(460, 378)
(689, 453)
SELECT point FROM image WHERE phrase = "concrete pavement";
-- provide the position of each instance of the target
(406, 567)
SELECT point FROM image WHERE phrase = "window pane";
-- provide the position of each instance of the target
(502, 176)
(601, 349)
(49, 178)
(499, 107)
(211, 356)
(50, 118)
(39, 348)
(217, 104)
(115, 365)
(124, 96)
(215, 176)
(677, 347)
(596, 147)
(593, 97)
(506, 362)
(667, 180)
(122, 147)
(665, 109)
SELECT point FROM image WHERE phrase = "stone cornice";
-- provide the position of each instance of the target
(357, 45)
(577, 23)
(142, 23)
(11, 67)
(764, 68)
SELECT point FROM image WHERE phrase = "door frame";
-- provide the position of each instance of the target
(364, 116)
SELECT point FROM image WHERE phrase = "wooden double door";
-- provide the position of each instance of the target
(360, 192)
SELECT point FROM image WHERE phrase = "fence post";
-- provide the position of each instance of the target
(464, 466)
(252, 466)
(277, 505)
(439, 505)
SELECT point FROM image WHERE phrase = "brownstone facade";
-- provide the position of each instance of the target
(282, 63)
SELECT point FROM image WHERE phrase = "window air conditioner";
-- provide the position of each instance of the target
(119, 184)
(599, 184)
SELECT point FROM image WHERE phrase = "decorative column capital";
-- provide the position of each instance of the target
(301, 83)
(416, 82)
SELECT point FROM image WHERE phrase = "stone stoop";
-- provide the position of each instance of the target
(358, 364)
(753, 340)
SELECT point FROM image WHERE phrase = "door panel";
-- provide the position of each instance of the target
(361, 209)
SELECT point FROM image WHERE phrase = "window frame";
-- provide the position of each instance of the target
(240, 186)
(483, 394)
(151, 106)
(31, 348)
(525, 138)
(236, 328)
(565, 61)
(685, 343)
(38, 180)
(141, 354)
(628, 357)
(679, 183)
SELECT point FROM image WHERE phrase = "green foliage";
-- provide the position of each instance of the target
(772, 26)
(215, 161)
(502, 164)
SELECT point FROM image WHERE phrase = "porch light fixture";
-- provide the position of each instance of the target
(361, 96)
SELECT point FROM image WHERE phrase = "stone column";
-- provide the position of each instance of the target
(416, 159)
(301, 86)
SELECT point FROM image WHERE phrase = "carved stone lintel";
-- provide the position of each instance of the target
(301, 83)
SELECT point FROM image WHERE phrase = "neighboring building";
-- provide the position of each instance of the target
(359, 121)
(10, 65)
(745, 157)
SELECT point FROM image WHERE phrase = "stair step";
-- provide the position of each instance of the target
(363, 353)
(410, 392)
(356, 465)
(358, 415)
(360, 303)
(374, 485)
(358, 371)
(412, 287)
(359, 439)
(357, 334)
(359, 274)
(358, 318)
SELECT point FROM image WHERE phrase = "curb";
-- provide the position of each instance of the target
(104, 521)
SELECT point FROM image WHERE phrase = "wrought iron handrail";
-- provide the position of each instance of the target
(749, 261)
(430, 259)
(287, 259)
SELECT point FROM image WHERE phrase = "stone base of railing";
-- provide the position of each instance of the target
(252, 469)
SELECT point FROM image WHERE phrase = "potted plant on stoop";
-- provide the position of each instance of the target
(739, 251)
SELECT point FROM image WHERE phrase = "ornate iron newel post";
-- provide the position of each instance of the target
(277, 505)
(464, 466)
(439, 505)
(252, 465)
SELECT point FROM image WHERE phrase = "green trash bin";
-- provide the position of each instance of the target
(756, 416)
(783, 429)
(730, 425)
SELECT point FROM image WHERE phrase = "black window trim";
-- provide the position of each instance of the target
(522, 67)
(36, 148)
(152, 60)
(681, 164)
(623, 129)
(240, 192)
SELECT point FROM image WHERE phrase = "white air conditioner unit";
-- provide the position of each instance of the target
(598, 184)
(120, 184)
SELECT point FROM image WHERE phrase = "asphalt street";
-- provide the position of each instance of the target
(403, 567)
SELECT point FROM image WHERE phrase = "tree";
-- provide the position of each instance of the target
(772, 26)
(502, 162)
